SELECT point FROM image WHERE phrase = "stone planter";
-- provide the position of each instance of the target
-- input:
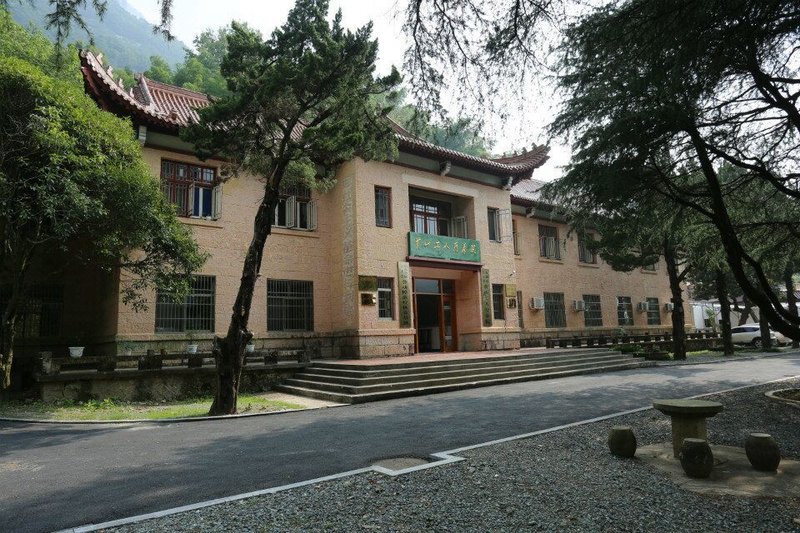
(696, 458)
(250, 348)
(195, 361)
(151, 361)
(656, 356)
(762, 452)
(76, 351)
(191, 348)
(107, 364)
(622, 441)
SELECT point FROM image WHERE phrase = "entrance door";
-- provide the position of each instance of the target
(435, 315)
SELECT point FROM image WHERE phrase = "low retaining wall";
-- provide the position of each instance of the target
(168, 384)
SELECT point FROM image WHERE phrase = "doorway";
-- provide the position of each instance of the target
(435, 315)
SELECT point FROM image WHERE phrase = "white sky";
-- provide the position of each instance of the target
(193, 16)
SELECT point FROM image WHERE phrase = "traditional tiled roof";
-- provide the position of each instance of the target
(526, 192)
(169, 108)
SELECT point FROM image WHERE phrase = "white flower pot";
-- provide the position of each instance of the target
(250, 348)
(75, 351)
(191, 348)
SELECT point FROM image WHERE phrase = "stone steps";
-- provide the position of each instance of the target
(353, 383)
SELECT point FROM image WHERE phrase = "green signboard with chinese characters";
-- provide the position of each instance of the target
(486, 298)
(441, 247)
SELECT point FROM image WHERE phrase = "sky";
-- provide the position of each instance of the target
(193, 16)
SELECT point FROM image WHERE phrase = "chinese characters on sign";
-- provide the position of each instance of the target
(486, 298)
(404, 289)
(441, 247)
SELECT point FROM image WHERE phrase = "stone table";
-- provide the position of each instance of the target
(688, 419)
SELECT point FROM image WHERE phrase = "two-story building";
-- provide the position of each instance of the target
(435, 251)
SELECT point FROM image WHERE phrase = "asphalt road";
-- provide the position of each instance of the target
(59, 476)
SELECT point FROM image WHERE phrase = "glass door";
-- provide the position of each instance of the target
(449, 337)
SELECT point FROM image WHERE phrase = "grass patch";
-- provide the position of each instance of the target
(113, 410)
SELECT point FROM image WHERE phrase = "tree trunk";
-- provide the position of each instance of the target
(725, 312)
(766, 340)
(678, 318)
(791, 297)
(7, 353)
(747, 313)
(229, 351)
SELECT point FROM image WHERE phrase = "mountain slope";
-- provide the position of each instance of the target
(127, 40)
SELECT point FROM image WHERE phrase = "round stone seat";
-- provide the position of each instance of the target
(688, 419)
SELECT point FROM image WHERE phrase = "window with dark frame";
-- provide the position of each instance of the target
(548, 242)
(498, 301)
(40, 313)
(383, 207)
(515, 235)
(295, 209)
(493, 216)
(290, 305)
(651, 267)
(192, 189)
(592, 312)
(585, 254)
(555, 315)
(430, 216)
(653, 312)
(386, 298)
(624, 311)
(194, 312)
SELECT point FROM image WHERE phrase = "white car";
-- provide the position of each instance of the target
(750, 334)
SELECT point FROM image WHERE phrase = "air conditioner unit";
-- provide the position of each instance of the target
(511, 303)
(643, 306)
(578, 305)
(536, 303)
(669, 306)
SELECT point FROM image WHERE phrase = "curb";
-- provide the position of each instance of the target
(441, 459)
(730, 359)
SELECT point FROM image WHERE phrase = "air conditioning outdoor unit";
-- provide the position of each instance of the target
(578, 305)
(536, 303)
(643, 306)
(669, 306)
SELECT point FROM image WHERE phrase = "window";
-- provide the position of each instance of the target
(498, 303)
(295, 209)
(192, 189)
(494, 224)
(585, 255)
(430, 216)
(290, 305)
(195, 312)
(653, 312)
(624, 311)
(385, 298)
(548, 242)
(40, 312)
(383, 207)
(520, 321)
(554, 314)
(592, 312)
(650, 268)
(515, 235)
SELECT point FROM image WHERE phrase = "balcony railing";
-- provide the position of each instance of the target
(441, 247)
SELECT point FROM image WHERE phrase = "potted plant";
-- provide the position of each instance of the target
(250, 348)
(77, 347)
(191, 348)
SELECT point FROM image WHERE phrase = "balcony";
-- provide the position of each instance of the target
(440, 247)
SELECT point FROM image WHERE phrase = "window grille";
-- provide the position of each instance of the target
(555, 315)
(383, 207)
(498, 301)
(651, 267)
(192, 189)
(430, 216)
(653, 312)
(585, 255)
(459, 226)
(385, 298)
(195, 312)
(40, 312)
(548, 242)
(290, 305)
(592, 313)
(624, 311)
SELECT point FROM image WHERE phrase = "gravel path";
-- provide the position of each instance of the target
(560, 481)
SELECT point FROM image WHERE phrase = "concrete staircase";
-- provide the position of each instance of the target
(359, 383)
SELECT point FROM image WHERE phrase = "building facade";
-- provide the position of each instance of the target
(436, 251)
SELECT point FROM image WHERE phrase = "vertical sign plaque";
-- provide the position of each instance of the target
(404, 293)
(486, 298)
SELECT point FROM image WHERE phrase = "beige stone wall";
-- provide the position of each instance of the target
(536, 275)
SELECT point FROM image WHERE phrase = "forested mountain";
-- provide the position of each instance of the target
(126, 39)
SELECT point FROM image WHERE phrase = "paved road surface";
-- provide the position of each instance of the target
(59, 476)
